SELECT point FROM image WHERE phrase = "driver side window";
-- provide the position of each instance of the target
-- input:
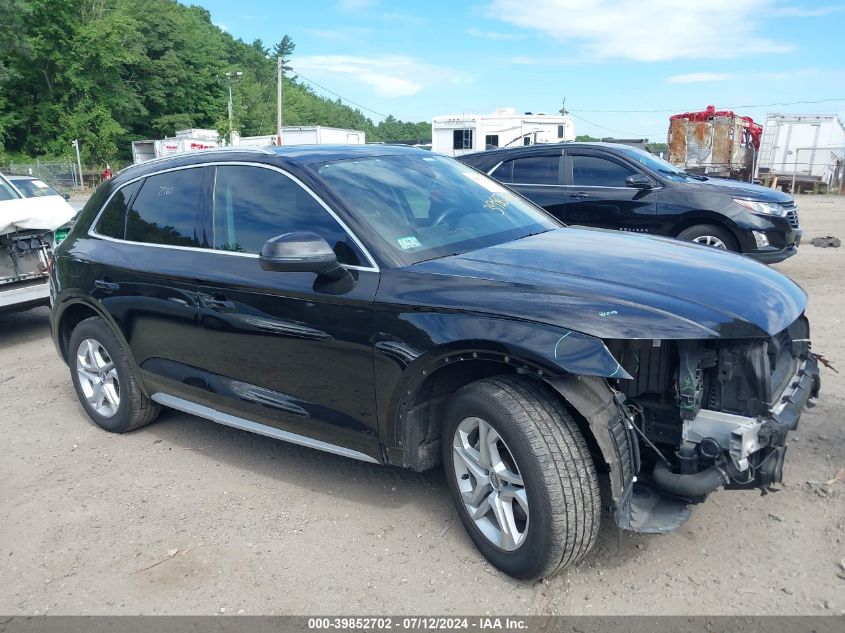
(254, 204)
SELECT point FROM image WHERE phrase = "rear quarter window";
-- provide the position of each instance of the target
(112, 222)
(169, 209)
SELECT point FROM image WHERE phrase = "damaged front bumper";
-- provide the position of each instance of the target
(745, 453)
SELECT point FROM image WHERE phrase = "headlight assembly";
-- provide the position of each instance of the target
(763, 208)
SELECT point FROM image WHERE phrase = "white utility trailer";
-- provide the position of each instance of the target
(456, 134)
(809, 149)
(306, 135)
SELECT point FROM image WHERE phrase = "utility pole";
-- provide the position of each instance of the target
(563, 109)
(280, 72)
(75, 143)
(236, 76)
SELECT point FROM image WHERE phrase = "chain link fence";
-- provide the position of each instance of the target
(63, 177)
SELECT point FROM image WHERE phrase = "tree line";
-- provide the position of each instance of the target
(107, 72)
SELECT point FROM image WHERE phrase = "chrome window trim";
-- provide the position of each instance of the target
(93, 233)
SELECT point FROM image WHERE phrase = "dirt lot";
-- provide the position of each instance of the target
(186, 516)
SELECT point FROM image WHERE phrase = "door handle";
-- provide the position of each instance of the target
(106, 284)
(218, 302)
(580, 194)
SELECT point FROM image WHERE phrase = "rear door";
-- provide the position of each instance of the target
(538, 176)
(597, 195)
(287, 349)
(143, 269)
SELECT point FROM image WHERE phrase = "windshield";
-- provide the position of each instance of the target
(655, 163)
(6, 191)
(424, 206)
(35, 188)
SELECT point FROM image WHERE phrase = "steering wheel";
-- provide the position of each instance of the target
(443, 218)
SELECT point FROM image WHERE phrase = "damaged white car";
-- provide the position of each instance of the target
(28, 230)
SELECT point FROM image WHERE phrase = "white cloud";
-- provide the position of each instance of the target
(805, 12)
(404, 18)
(495, 35)
(697, 78)
(350, 6)
(648, 30)
(387, 75)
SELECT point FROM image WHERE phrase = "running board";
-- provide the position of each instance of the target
(186, 406)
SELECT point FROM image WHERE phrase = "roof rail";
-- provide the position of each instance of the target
(228, 148)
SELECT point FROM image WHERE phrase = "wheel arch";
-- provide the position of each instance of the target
(707, 217)
(417, 409)
(75, 310)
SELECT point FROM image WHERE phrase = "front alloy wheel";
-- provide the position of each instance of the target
(491, 487)
(520, 475)
(710, 240)
(98, 377)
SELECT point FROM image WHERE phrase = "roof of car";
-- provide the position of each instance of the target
(539, 147)
(292, 154)
(19, 177)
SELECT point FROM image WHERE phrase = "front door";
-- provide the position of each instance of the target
(288, 349)
(598, 196)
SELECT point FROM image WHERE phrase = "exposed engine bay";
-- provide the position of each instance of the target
(703, 414)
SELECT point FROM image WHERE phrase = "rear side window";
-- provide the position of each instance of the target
(253, 204)
(536, 170)
(112, 222)
(168, 209)
(592, 171)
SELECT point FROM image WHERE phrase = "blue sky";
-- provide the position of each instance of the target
(609, 58)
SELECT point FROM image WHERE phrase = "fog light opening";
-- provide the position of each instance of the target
(760, 238)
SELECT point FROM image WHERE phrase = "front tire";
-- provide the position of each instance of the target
(104, 379)
(710, 235)
(521, 476)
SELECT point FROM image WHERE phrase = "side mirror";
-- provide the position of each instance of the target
(300, 251)
(639, 181)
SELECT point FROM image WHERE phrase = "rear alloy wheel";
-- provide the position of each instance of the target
(710, 235)
(104, 378)
(98, 377)
(521, 476)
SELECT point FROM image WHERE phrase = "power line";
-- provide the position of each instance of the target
(609, 129)
(342, 98)
(732, 107)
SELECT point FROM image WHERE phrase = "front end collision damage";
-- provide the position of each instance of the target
(671, 421)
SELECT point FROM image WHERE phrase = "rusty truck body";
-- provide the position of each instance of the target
(714, 142)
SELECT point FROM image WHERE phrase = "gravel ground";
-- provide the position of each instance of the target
(188, 517)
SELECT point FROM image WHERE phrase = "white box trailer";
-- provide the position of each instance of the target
(147, 150)
(306, 135)
(457, 134)
(810, 148)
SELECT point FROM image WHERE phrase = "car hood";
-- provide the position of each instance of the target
(741, 190)
(614, 285)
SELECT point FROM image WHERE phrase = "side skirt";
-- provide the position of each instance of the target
(186, 406)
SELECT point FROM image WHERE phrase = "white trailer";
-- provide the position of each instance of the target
(809, 149)
(184, 141)
(306, 135)
(457, 134)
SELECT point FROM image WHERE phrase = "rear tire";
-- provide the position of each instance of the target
(540, 476)
(104, 379)
(710, 235)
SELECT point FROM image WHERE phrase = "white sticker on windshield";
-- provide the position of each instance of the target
(40, 184)
(490, 185)
(407, 243)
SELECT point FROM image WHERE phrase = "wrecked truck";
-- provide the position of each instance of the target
(28, 235)
(401, 308)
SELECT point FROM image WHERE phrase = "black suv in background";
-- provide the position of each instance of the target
(393, 306)
(615, 186)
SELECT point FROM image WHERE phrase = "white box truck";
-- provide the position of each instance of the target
(807, 149)
(307, 135)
